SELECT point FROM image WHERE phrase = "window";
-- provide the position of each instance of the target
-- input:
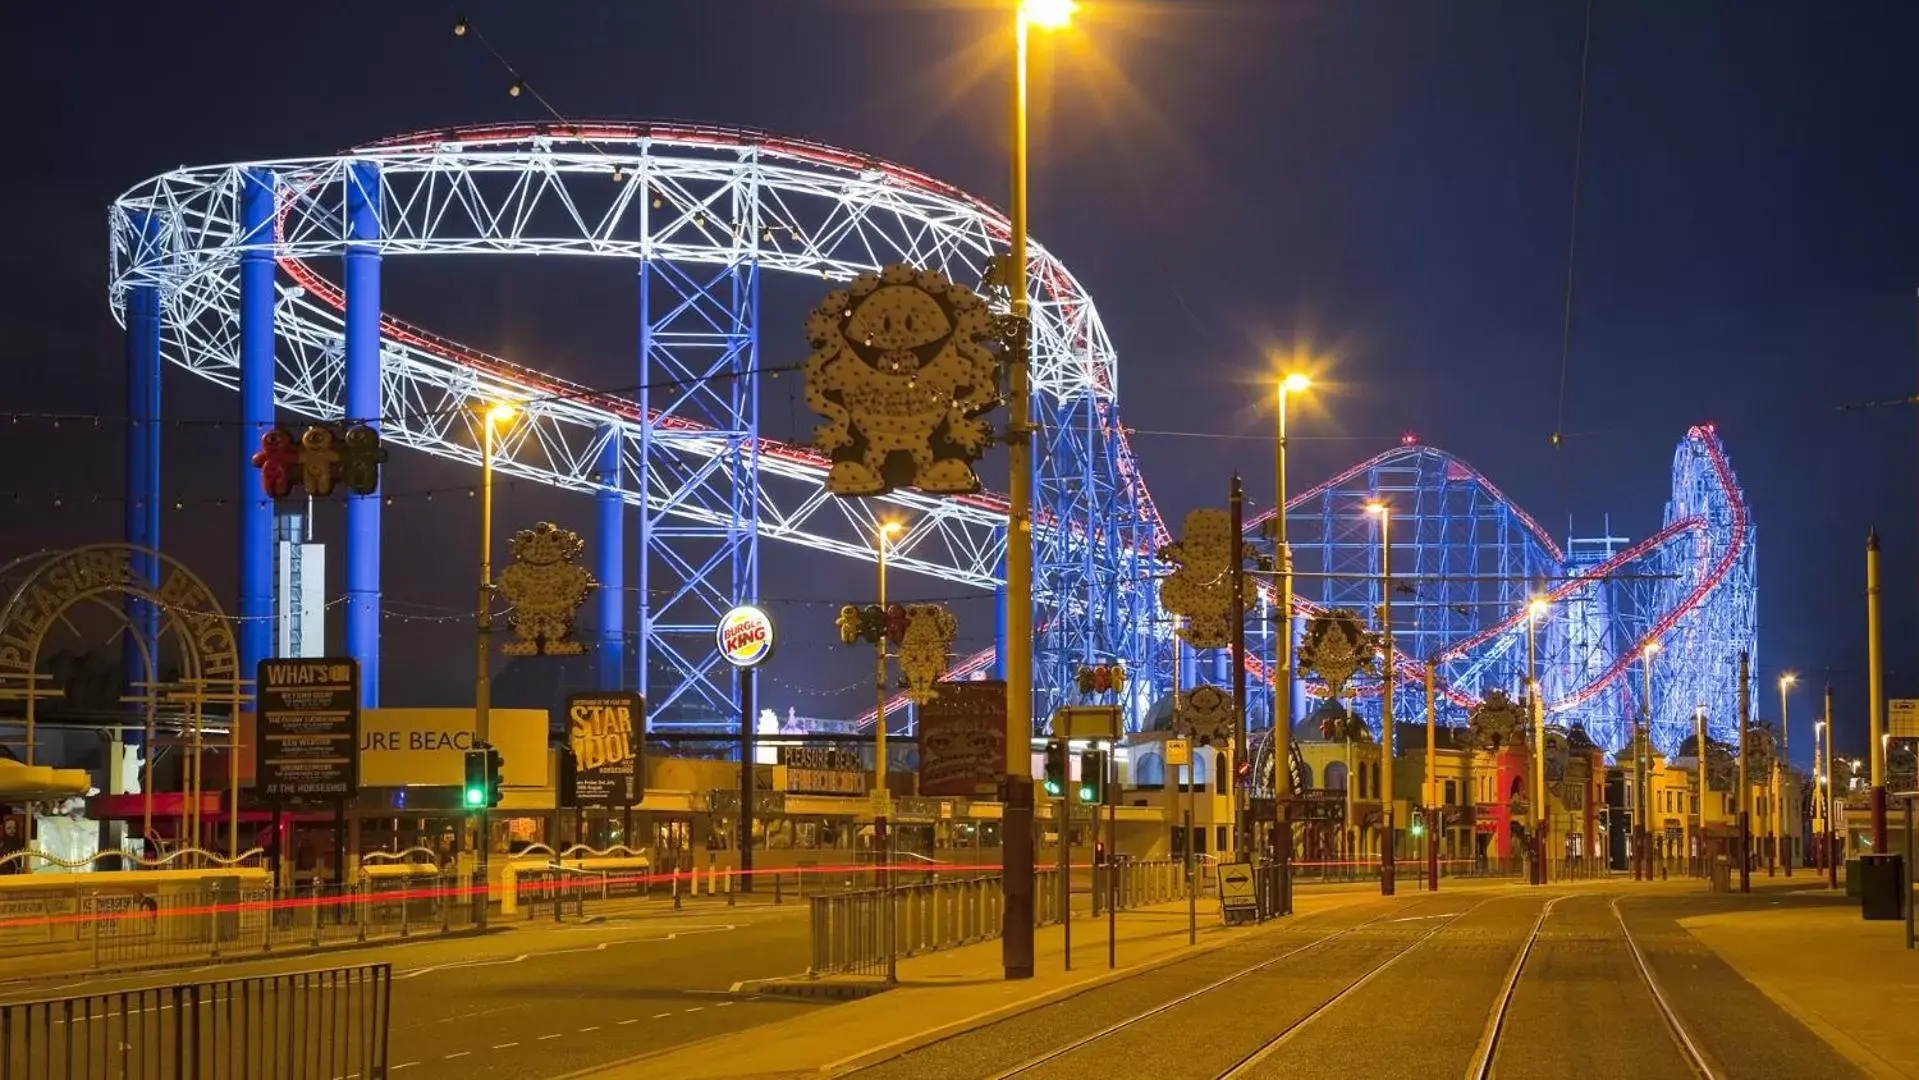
(1452, 792)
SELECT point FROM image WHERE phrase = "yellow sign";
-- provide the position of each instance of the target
(1179, 752)
(427, 747)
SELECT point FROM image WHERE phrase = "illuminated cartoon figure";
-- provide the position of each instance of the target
(319, 461)
(899, 370)
(278, 462)
(361, 456)
(1201, 588)
(546, 589)
(925, 649)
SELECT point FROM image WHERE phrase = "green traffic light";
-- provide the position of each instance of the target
(1086, 793)
(1052, 787)
(476, 796)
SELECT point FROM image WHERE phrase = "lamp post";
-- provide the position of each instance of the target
(1781, 843)
(1699, 804)
(492, 416)
(1642, 770)
(1534, 609)
(1388, 832)
(1876, 691)
(1290, 384)
(882, 801)
(1016, 939)
(1818, 796)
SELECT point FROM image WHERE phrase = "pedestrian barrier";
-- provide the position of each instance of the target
(850, 929)
(306, 1025)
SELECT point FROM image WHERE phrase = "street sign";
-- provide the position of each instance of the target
(308, 738)
(1086, 722)
(1236, 899)
(1179, 752)
(1902, 718)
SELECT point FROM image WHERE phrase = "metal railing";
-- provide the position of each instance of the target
(306, 1025)
(849, 929)
(113, 930)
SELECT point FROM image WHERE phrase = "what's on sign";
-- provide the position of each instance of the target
(603, 731)
(745, 636)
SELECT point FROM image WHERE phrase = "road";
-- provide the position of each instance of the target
(1510, 985)
(542, 1001)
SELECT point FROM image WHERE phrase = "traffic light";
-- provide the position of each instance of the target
(1056, 768)
(492, 775)
(1092, 777)
(1418, 825)
(473, 789)
(849, 624)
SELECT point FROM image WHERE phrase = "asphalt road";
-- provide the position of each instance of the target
(1410, 989)
(543, 1001)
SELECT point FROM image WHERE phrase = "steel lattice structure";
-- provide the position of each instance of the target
(1466, 563)
(700, 213)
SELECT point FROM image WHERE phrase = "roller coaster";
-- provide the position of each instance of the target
(218, 270)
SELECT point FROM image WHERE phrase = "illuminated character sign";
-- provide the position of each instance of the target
(319, 460)
(546, 589)
(278, 462)
(925, 647)
(900, 371)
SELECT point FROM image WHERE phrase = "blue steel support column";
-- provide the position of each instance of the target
(256, 417)
(143, 440)
(999, 623)
(363, 403)
(643, 482)
(611, 565)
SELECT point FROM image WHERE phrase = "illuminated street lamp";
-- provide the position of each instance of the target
(1781, 847)
(1642, 769)
(1534, 609)
(1016, 937)
(1290, 384)
(497, 415)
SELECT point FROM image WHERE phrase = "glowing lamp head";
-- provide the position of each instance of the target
(1047, 14)
(501, 412)
(1787, 680)
(1537, 606)
(890, 529)
(1650, 647)
(1295, 383)
(1377, 508)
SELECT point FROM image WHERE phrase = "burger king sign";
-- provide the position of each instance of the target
(746, 636)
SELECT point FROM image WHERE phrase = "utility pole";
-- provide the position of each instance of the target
(1876, 695)
(1744, 798)
(1434, 824)
(1242, 792)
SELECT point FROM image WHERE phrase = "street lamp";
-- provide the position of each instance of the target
(499, 414)
(1016, 938)
(1289, 384)
(1536, 607)
(1642, 768)
(882, 801)
(1387, 852)
(1781, 847)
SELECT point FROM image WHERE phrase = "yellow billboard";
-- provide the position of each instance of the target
(427, 747)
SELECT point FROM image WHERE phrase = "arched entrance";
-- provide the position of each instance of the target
(38, 593)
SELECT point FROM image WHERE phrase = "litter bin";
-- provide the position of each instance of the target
(1882, 886)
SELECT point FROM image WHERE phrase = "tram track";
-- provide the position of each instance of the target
(1097, 1040)
(1483, 1066)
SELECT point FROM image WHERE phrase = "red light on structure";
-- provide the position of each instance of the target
(1409, 439)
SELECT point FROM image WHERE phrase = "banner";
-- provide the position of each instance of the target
(962, 736)
(308, 715)
(605, 732)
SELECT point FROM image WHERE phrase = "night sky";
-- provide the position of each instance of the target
(1384, 185)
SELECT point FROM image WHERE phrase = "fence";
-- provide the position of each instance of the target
(850, 929)
(308, 1025)
(117, 930)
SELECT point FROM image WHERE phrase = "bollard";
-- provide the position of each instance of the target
(777, 899)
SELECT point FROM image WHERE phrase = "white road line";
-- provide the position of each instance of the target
(661, 1016)
(635, 1020)
(405, 1065)
(723, 1004)
(503, 961)
(595, 1027)
(695, 1008)
(457, 1054)
(505, 1046)
(543, 1038)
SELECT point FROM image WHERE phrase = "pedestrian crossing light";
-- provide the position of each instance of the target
(473, 790)
(1092, 777)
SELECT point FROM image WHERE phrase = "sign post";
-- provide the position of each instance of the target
(745, 639)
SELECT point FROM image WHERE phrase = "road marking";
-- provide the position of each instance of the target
(503, 961)
(543, 1038)
(595, 1027)
(505, 1046)
(397, 1068)
(661, 1016)
(695, 1008)
(457, 1054)
(723, 1004)
(635, 1020)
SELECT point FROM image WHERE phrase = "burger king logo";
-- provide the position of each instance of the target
(746, 636)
